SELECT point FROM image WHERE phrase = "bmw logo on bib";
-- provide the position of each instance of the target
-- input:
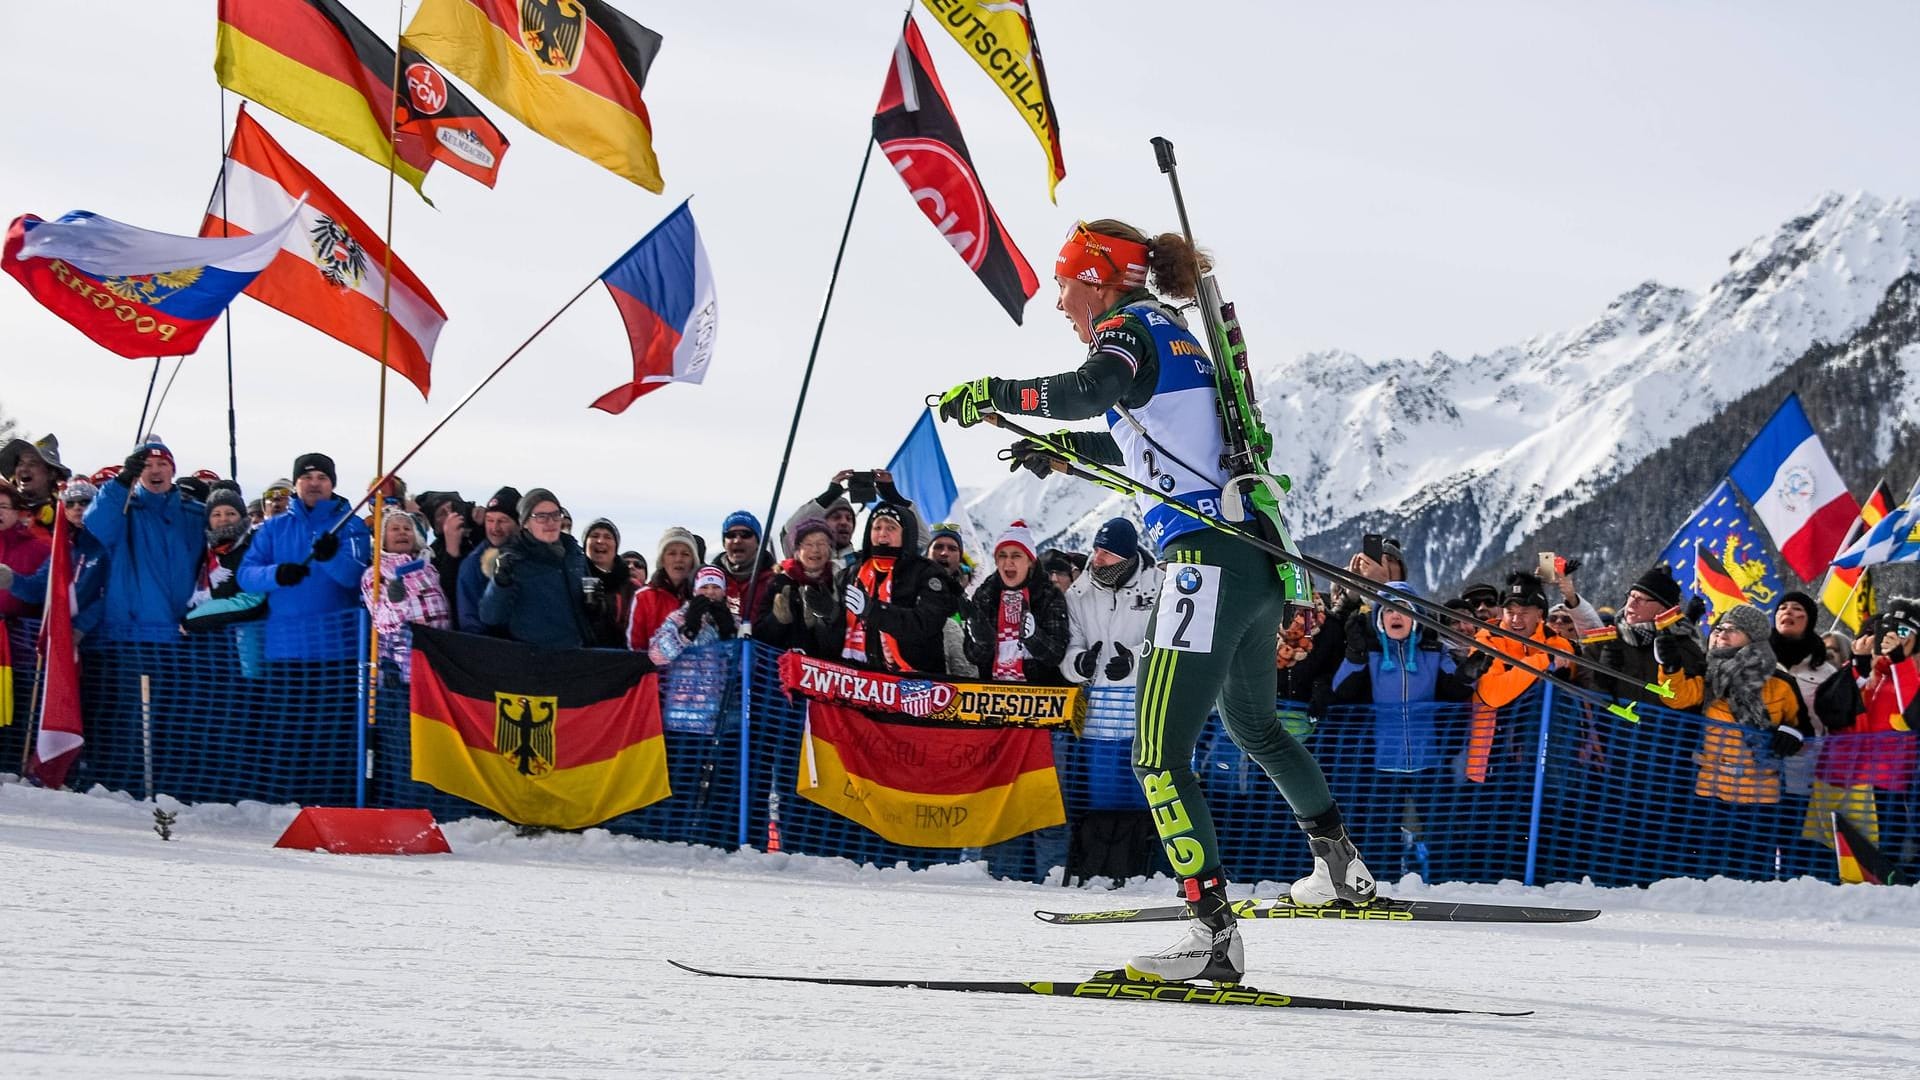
(1165, 482)
(1187, 581)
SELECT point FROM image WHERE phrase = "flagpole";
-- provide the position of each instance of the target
(141, 435)
(233, 423)
(1846, 605)
(806, 380)
(167, 389)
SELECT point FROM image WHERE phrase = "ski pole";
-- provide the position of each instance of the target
(1399, 601)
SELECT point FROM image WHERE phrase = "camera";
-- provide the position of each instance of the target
(863, 488)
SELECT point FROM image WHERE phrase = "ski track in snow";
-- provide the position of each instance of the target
(217, 956)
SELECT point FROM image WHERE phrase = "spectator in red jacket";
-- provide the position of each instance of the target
(21, 552)
(670, 586)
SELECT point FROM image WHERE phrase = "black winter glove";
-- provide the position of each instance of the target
(1696, 608)
(1359, 632)
(326, 546)
(1473, 665)
(816, 606)
(396, 590)
(1321, 700)
(290, 573)
(1084, 664)
(131, 469)
(503, 568)
(1787, 740)
(1033, 456)
(722, 618)
(1121, 664)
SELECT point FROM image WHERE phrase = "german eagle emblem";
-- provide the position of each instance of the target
(523, 731)
(152, 289)
(342, 261)
(553, 33)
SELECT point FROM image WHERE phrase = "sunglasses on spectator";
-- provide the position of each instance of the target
(741, 534)
(277, 493)
(547, 515)
(1726, 628)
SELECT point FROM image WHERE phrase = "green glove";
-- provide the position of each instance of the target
(966, 402)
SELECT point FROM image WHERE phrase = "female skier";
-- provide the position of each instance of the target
(1212, 635)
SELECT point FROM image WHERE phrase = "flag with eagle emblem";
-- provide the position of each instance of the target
(565, 738)
(330, 272)
(571, 70)
(135, 292)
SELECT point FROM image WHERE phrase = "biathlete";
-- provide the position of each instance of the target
(1212, 635)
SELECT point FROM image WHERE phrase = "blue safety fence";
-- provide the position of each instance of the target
(1563, 789)
(21, 642)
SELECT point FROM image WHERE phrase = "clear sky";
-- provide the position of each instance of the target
(1389, 179)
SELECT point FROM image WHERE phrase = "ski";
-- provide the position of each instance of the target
(1380, 910)
(1113, 986)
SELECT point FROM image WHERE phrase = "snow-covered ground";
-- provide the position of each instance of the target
(215, 955)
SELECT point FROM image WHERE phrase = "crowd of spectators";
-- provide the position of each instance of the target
(154, 552)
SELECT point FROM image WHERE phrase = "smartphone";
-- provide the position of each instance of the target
(862, 488)
(1548, 567)
(1373, 547)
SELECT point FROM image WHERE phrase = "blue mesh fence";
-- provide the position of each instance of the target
(1568, 790)
(21, 635)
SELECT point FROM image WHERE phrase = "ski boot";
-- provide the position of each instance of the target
(1210, 947)
(1338, 874)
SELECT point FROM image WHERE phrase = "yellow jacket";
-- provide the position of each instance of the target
(1729, 769)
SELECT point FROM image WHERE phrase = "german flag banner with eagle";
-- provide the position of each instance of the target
(571, 70)
(312, 62)
(331, 270)
(561, 738)
(929, 787)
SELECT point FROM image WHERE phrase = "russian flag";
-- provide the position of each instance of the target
(134, 292)
(663, 287)
(1795, 490)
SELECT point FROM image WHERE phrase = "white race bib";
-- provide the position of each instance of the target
(1189, 603)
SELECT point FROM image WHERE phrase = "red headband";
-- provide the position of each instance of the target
(1101, 259)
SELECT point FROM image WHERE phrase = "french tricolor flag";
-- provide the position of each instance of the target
(1795, 490)
(663, 286)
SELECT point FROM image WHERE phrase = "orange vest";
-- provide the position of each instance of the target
(1510, 676)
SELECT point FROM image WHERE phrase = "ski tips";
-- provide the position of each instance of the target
(1625, 712)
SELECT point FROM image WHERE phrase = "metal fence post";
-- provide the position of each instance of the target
(368, 672)
(1539, 778)
(745, 781)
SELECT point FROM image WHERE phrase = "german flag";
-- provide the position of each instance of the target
(562, 738)
(932, 787)
(6, 679)
(1860, 861)
(312, 62)
(1711, 580)
(571, 70)
(1848, 592)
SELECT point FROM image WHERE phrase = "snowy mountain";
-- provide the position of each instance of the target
(1468, 459)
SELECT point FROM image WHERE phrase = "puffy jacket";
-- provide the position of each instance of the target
(1872, 723)
(651, 606)
(738, 585)
(544, 603)
(153, 545)
(1046, 629)
(25, 554)
(469, 584)
(422, 603)
(668, 642)
(329, 587)
(1735, 764)
(921, 600)
(1103, 618)
(1407, 683)
(813, 606)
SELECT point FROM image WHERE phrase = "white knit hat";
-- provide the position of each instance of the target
(709, 575)
(1019, 536)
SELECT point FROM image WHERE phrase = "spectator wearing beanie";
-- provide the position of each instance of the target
(227, 541)
(1802, 654)
(704, 619)
(88, 560)
(1651, 633)
(309, 560)
(153, 535)
(893, 602)
(22, 553)
(745, 561)
(610, 598)
(499, 524)
(1018, 628)
(1754, 719)
(799, 608)
(1108, 608)
(948, 552)
(536, 589)
(403, 589)
(670, 587)
(455, 532)
(276, 498)
(833, 507)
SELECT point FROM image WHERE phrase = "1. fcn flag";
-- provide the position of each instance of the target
(930, 787)
(561, 738)
(1000, 37)
(1848, 592)
(314, 63)
(571, 70)
(331, 272)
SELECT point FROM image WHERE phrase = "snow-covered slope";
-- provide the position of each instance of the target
(1529, 431)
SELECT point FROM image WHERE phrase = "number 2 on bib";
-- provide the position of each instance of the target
(1189, 604)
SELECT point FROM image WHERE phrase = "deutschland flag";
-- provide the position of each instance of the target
(571, 70)
(932, 787)
(562, 738)
(312, 62)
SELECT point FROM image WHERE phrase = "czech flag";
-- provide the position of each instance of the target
(134, 292)
(663, 286)
(1795, 490)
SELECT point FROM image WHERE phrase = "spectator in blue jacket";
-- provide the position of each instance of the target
(536, 587)
(1404, 675)
(309, 568)
(153, 535)
(500, 522)
(89, 558)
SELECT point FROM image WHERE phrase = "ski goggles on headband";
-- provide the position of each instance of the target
(1099, 259)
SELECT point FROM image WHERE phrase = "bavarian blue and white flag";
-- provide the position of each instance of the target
(1895, 539)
